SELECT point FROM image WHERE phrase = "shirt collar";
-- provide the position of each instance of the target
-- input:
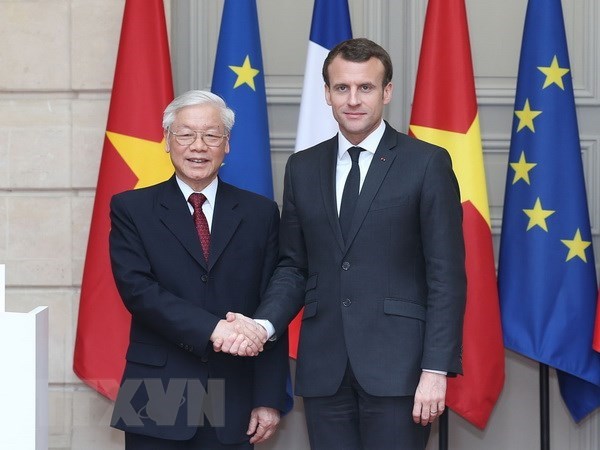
(210, 191)
(370, 143)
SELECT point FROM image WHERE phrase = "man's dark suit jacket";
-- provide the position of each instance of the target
(391, 299)
(176, 300)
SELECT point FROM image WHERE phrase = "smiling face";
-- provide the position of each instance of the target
(357, 96)
(197, 164)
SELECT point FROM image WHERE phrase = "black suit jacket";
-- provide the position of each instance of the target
(390, 300)
(176, 300)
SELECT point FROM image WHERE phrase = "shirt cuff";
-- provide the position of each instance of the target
(268, 326)
(439, 372)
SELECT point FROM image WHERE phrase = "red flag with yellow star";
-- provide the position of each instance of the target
(133, 156)
(445, 113)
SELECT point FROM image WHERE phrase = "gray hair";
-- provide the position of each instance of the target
(196, 97)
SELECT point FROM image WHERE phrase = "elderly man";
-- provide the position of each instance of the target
(184, 253)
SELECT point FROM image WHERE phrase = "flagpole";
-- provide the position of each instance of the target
(443, 431)
(544, 408)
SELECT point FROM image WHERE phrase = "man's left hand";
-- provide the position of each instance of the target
(263, 423)
(430, 398)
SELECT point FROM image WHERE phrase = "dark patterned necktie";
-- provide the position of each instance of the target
(196, 200)
(350, 194)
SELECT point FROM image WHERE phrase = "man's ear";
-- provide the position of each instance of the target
(327, 94)
(387, 93)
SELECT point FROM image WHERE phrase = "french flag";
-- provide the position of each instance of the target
(330, 26)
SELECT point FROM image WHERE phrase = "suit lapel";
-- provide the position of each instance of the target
(327, 167)
(226, 219)
(382, 161)
(175, 214)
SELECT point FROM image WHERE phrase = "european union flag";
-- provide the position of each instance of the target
(239, 79)
(547, 276)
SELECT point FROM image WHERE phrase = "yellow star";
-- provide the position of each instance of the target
(522, 169)
(526, 116)
(245, 74)
(538, 216)
(467, 161)
(576, 246)
(148, 160)
(554, 74)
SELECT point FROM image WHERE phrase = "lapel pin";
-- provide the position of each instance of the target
(382, 158)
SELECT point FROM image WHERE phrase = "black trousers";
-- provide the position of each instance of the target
(354, 420)
(204, 439)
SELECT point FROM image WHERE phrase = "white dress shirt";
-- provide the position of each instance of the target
(344, 163)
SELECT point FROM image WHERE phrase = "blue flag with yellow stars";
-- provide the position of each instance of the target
(239, 79)
(546, 274)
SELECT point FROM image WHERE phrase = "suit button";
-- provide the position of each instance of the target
(345, 265)
(204, 278)
(204, 359)
(347, 302)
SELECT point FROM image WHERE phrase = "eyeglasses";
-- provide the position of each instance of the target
(188, 137)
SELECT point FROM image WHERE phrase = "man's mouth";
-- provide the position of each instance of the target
(353, 114)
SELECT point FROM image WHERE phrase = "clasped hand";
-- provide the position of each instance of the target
(238, 335)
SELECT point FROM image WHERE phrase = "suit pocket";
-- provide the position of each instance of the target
(311, 283)
(310, 310)
(398, 307)
(149, 354)
(388, 202)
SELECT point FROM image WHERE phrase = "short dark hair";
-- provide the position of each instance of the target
(360, 50)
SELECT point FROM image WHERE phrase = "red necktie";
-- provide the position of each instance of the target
(196, 200)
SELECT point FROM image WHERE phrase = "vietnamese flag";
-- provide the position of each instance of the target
(445, 113)
(133, 156)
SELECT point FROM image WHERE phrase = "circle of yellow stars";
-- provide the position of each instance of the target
(537, 214)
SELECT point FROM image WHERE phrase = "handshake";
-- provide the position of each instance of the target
(238, 335)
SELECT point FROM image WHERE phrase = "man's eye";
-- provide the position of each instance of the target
(211, 136)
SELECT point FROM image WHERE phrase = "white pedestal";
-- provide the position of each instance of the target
(23, 378)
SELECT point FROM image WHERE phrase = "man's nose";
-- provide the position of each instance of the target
(198, 144)
(354, 97)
